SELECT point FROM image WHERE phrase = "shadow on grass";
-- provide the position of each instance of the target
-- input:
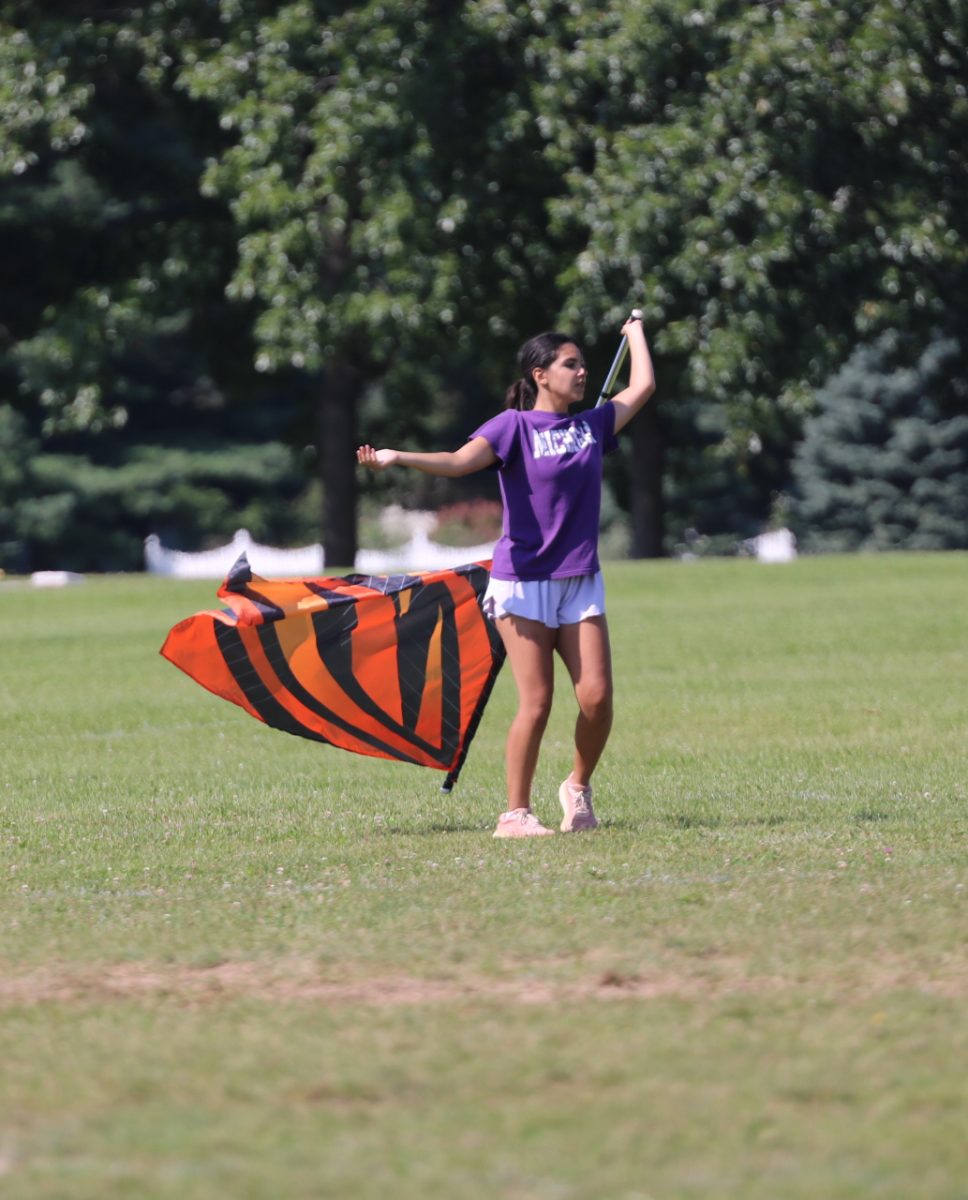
(449, 825)
(871, 815)
(456, 825)
(685, 820)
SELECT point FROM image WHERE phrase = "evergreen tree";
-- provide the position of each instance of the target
(884, 461)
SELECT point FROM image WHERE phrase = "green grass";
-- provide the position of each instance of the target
(234, 963)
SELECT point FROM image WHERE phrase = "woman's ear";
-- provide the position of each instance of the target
(540, 377)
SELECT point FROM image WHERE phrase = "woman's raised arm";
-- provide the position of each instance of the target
(641, 375)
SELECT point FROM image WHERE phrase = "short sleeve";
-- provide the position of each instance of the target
(605, 414)
(501, 433)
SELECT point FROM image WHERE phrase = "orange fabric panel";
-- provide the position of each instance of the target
(375, 654)
(192, 647)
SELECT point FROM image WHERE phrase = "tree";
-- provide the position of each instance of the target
(381, 184)
(775, 181)
(373, 202)
(109, 250)
(130, 370)
(884, 460)
(369, 205)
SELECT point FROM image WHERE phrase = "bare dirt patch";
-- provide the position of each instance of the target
(298, 981)
(303, 982)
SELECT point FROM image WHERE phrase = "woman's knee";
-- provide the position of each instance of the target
(595, 699)
(535, 707)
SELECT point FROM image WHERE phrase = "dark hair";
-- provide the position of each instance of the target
(539, 351)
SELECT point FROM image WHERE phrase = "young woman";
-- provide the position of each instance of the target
(546, 593)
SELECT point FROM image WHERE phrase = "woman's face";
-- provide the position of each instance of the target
(566, 377)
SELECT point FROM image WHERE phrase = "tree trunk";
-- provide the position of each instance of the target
(342, 386)
(645, 490)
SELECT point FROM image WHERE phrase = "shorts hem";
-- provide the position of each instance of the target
(550, 602)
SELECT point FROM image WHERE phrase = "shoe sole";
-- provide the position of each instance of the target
(578, 827)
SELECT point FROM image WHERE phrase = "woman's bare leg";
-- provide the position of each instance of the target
(530, 648)
(584, 648)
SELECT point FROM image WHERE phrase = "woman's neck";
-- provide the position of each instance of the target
(548, 403)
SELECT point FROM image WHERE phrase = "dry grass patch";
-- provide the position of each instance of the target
(303, 982)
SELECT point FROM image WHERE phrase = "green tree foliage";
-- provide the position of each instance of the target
(16, 449)
(40, 105)
(362, 182)
(382, 177)
(134, 407)
(83, 514)
(110, 252)
(776, 180)
(87, 503)
(306, 221)
(884, 461)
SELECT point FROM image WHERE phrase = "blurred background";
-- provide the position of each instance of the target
(239, 238)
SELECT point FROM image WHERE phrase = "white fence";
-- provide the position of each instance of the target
(417, 554)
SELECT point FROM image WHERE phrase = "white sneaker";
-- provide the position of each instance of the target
(519, 822)
(576, 804)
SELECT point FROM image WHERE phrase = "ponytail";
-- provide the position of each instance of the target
(521, 395)
(539, 351)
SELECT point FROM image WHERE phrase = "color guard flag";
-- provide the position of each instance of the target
(397, 666)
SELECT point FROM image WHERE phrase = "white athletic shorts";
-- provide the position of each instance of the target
(553, 602)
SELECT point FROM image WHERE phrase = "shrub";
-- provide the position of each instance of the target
(468, 523)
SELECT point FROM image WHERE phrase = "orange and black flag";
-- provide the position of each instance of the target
(397, 666)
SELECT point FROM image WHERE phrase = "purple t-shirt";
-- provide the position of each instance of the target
(550, 470)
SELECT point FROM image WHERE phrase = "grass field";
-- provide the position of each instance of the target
(237, 964)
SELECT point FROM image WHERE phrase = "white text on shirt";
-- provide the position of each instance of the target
(555, 442)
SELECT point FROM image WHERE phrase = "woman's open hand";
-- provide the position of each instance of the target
(376, 460)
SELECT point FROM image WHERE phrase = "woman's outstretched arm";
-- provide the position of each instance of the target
(475, 455)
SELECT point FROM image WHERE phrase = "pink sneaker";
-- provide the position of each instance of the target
(519, 822)
(576, 804)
